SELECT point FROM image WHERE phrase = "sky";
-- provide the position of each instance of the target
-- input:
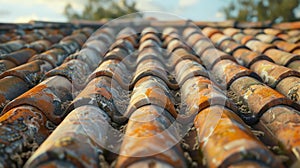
(20, 11)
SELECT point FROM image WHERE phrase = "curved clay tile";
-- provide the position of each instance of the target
(157, 141)
(75, 138)
(229, 140)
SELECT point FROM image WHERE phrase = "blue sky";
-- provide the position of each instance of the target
(51, 10)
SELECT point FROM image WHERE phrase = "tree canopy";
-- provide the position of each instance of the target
(100, 9)
(261, 10)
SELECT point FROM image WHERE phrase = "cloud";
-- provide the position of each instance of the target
(219, 15)
(52, 10)
(25, 19)
(187, 3)
(4, 12)
(297, 12)
(37, 9)
(59, 5)
(159, 9)
(149, 5)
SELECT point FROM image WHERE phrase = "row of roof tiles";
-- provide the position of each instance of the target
(35, 24)
(153, 83)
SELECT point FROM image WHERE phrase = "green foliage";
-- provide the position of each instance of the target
(261, 10)
(101, 9)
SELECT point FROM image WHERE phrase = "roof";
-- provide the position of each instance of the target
(150, 94)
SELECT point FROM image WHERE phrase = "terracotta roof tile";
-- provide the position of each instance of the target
(152, 118)
(294, 65)
(211, 56)
(202, 96)
(6, 64)
(11, 87)
(287, 133)
(11, 46)
(231, 31)
(30, 72)
(47, 96)
(23, 127)
(151, 36)
(89, 56)
(201, 45)
(259, 46)
(149, 93)
(225, 72)
(281, 57)
(150, 90)
(72, 139)
(231, 141)
(267, 38)
(289, 86)
(285, 46)
(252, 31)
(76, 71)
(272, 31)
(259, 97)
(210, 31)
(272, 73)
(246, 57)
(19, 57)
(288, 25)
(98, 92)
(188, 68)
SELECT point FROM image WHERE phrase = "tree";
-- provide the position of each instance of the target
(261, 10)
(100, 9)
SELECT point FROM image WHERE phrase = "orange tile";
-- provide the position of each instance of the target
(225, 139)
(186, 69)
(151, 90)
(179, 55)
(75, 70)
(22, 129)
(157, 142)
(267, 38)
(225, 72)
(212, 55)
(80, 137)
(281, 57)
(201, 45)
(47, 97)
(194, 38)
(11, 46)
(150, 36)
(231, 31)
(149, 30)
(283, 122)
(175, 44)
(53, 56)
(285, 46)
(272, 73)
(289, 86)
(259, 46)
(252, 31)
(209, 31)
(99, 46)
(295, 65)
(10, 88)
(30, 72)
(272, 31)
(152, 67)
(113, 68)
(197, 94)
(103, 93)
(258, 96)
(5, 65)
